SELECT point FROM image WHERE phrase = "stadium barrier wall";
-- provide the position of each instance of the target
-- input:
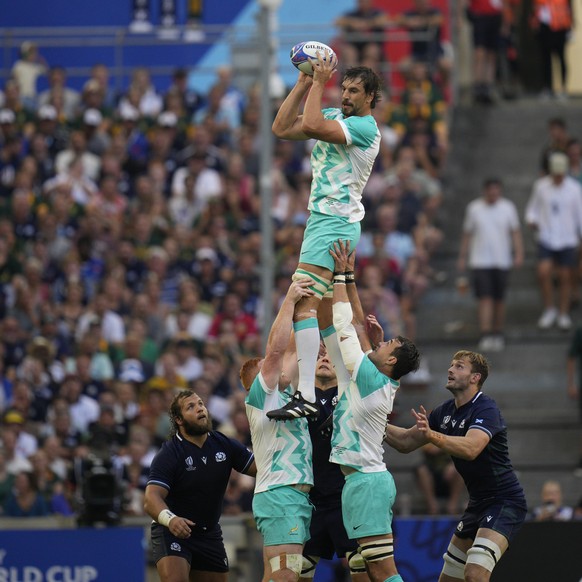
(54, 550)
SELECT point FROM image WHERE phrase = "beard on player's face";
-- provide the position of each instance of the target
(198, 427)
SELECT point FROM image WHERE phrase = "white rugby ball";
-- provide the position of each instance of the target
(302, 52)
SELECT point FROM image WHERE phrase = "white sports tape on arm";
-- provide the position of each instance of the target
(165, 517)
(347, 335)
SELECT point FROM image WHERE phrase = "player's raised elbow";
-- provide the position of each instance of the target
(277, 130)
(311, 128)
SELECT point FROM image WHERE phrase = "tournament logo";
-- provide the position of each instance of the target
(190, 464)
(445, 421)
(220, 457)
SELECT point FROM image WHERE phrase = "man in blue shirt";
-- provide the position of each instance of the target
(471, 429)
(185, 491)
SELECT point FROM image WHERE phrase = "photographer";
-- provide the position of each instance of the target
(551, 508)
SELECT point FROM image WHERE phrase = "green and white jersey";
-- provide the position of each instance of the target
(340, 171)
(359, 419)
(282, 449)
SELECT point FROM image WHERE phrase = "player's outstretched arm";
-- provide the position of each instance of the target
(404, 440)
(467, 447)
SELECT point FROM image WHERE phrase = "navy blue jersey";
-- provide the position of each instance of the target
(491, 473)
(196, 478)
(327, 477)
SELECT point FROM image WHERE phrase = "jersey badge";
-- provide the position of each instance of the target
(220, 457)
(175, 547)
(190, 464)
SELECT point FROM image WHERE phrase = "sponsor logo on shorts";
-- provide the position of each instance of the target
(294, 531)
(220, 457)
(358, 526)
(460, 526)
(190, 464)
(489, 518)
(175, 547)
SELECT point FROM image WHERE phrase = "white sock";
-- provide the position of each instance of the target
(307, 341)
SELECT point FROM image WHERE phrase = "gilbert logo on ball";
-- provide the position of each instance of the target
(302, 52)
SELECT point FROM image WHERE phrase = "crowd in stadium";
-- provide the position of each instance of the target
(130, 259)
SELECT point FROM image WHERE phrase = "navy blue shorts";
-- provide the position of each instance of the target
(486, 30)
(328, 535)
(567, 257)
(504, 516)
(203, 550)
(490, 283)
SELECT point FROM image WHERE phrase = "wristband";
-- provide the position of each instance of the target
(350, 277)
(165, 517)
(341, 279)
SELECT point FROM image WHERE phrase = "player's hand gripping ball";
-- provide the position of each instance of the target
(304, 51)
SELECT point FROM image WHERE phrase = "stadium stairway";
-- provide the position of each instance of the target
(528, 378)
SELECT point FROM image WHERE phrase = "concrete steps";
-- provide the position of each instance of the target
(527, 378)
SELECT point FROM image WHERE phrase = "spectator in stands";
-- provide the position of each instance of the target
(362, 30)
(83, 410)
(424, 23)
(92, 125)
(490, 246)
(26, 443)
(191, 99)
(557, 141)
(554, 211)
(50, 485)
(25, 499)
(487, 20)
(552, 22)
(142, 94)
(77, 148)
(438, 480)
(552, 507)
(100, 73)
(26, 70)
(65, 99)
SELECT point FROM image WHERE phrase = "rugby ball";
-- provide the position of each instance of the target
(302, 52)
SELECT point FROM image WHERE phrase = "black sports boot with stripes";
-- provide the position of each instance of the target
(298, 407)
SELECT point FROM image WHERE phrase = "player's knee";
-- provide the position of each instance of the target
(308, 566)
(320, 284)
(485, 553)
(376, 550)
(356, 562)
(454, 562)
(293, 562)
